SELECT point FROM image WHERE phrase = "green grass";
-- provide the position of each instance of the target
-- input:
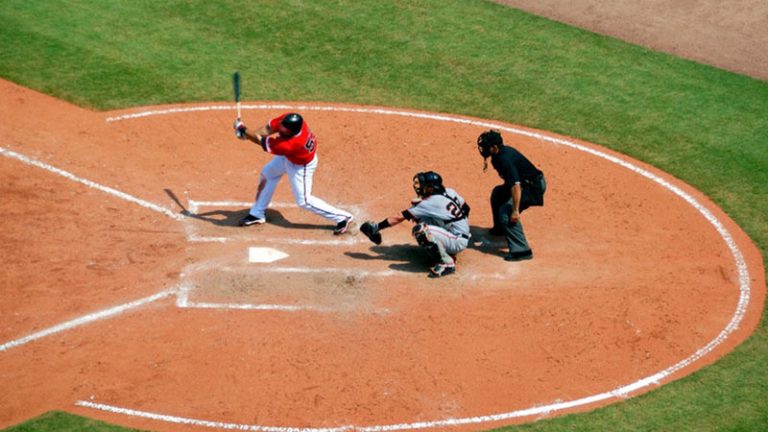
(706, 126)
(64, 422)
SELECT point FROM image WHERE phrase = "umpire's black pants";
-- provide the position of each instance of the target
(501, 204)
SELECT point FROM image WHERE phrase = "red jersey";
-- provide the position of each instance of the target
(299, 149)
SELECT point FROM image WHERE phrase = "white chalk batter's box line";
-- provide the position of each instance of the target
(512, 271)
(185, 289)
(194, 207)
(542, 409)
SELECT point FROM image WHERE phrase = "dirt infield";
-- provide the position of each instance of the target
(729, 35)
(116, 306)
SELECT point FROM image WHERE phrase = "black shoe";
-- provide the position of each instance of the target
(343, 226)
(251, 220)
(519, 256)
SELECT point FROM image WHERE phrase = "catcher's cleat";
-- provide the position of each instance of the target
(343, 226)
(251, 220)
(441, 270)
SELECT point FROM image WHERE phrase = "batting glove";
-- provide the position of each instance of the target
(240, 129)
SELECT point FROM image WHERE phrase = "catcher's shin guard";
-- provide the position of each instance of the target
(420, 233)
(433, 253)
(432, 249)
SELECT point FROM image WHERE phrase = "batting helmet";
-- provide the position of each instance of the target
(488, 139)
(429, 183)
(293, 123)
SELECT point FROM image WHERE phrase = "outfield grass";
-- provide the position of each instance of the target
(706, 126)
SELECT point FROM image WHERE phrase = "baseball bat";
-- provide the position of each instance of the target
(236, 86)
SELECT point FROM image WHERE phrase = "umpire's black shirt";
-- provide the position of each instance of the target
(512, 166)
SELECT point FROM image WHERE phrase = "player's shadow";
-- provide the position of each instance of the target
(274, 217)
(483, 241)
(231, 218)
(410, 258)
(215, 217)
(219, 217)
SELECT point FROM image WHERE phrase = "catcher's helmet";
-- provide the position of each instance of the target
(488, 139)
(429, 183)
(292, 122)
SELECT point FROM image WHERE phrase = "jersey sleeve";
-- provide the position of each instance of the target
(278, 145)
(274, 124)
(419, 211)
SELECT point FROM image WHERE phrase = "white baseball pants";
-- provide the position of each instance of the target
(300, 178)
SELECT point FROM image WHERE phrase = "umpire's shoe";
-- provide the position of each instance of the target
(343, 226)
(441, 270)
(519, 256)
(251, 220)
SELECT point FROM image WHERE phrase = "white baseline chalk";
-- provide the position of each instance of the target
(114, 192)
(86, 319)
(246, 306)
(202, 423)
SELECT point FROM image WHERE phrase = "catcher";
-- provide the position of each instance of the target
(441, 227)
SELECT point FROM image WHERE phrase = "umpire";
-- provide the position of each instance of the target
(524, 186)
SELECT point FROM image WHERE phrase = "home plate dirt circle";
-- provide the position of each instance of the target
(638, 279)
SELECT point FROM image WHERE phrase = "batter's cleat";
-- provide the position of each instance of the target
(251, 220)
(519, 256)
(441, 270)
(343, 226)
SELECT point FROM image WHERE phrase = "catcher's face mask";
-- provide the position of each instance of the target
(417, 186)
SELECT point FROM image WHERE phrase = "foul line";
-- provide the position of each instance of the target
(620, 392)
(108, 313)
(114, 192)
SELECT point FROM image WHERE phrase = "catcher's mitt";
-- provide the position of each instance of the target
(371, 230)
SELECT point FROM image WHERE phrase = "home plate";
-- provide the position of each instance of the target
(264, 255)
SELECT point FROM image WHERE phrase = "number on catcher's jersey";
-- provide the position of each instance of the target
(444, 211)
(453, 209)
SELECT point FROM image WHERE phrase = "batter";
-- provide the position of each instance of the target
(295, 148)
